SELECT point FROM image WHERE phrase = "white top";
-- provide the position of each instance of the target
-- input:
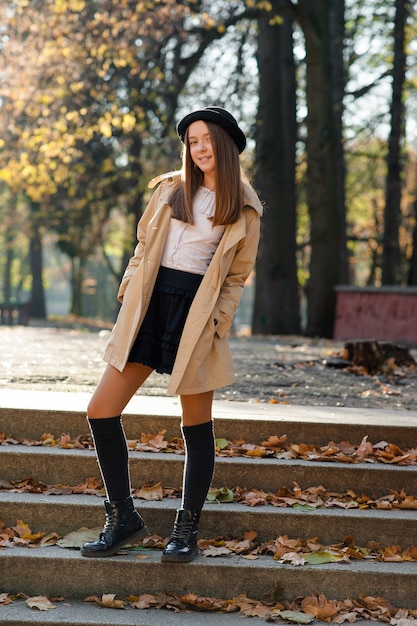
(190, 247)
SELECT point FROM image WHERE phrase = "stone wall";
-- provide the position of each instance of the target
(383, 313)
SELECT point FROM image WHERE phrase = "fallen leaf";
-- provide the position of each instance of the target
(150, 492)
(320, 607)
(221, 444)
(49, 540)
(220, 495)
(77, 538)
(216, 551)
(144, 601)
(294, 558)
(257, 451)
(325, 556)
(40, 602)
(109, 601)
(65, 442)
(153, 541)
(296, 616)
(5, 599)
(365, 449)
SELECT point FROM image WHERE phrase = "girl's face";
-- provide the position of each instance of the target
(201, 148)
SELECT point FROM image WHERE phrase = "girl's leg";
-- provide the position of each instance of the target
(115, 389)
(197, 429)
(104, 416)
(123, 523)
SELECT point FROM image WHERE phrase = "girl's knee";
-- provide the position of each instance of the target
(92, 410)
(98, 407)
(197, 409)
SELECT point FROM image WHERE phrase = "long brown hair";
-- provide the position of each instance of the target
(228, 178)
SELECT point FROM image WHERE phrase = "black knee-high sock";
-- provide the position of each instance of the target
(199, 464)
(112, 455)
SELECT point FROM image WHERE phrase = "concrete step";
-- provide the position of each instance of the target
(59, 572)
(66, 573)
(72, 612)
(31, 413)
(64, 514)
(54, 465)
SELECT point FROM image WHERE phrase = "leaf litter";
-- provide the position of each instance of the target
(314, 497)
(296, 552)
(293, 551)
(276, 447)
(300, 610)
(283, 549)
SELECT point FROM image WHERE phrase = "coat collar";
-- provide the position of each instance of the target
(250, 196)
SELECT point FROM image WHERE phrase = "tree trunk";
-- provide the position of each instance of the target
(337, 41)
(276, 308)
(327, 248)
(412, 268)
(391, 256)
(77, 279)
(37, 298)
(9, 241)
(135, 204)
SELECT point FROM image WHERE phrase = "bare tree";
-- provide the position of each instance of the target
(391, 256)
(326, 222)
(276, 307)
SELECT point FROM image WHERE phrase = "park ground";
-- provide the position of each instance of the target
(296, 370)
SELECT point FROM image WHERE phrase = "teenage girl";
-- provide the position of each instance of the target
(197, 244)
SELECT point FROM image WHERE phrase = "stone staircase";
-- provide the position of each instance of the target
(55, 571)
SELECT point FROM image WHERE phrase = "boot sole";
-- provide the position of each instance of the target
(131, 539)
(177, 558)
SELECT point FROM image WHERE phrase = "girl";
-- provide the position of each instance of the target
(197, 243)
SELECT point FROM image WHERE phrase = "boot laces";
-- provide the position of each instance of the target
(110, 523)
(182, 531)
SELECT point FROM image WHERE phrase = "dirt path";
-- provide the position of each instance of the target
(292, 370)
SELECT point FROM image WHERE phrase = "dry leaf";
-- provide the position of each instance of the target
(77, 538)
(4, 599)
(150, 492)
(144, 601)
(250, 557)
(295, 616)
(109, 601)
(216, 551)
(65, 442)
(40, 602)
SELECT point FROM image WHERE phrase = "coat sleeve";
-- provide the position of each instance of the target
(135, 260)
(240, 266)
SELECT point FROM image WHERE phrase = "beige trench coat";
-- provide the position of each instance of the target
(203, 361)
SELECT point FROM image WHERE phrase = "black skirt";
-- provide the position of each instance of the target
(157, 341)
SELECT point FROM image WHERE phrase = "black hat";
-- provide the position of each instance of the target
(219, 116)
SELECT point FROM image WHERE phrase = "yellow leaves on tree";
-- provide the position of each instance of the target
(63, 6)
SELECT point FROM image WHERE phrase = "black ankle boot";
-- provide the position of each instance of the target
(123, 525)
(182, 545)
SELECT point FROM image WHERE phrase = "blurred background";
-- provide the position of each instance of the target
(90, 91)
